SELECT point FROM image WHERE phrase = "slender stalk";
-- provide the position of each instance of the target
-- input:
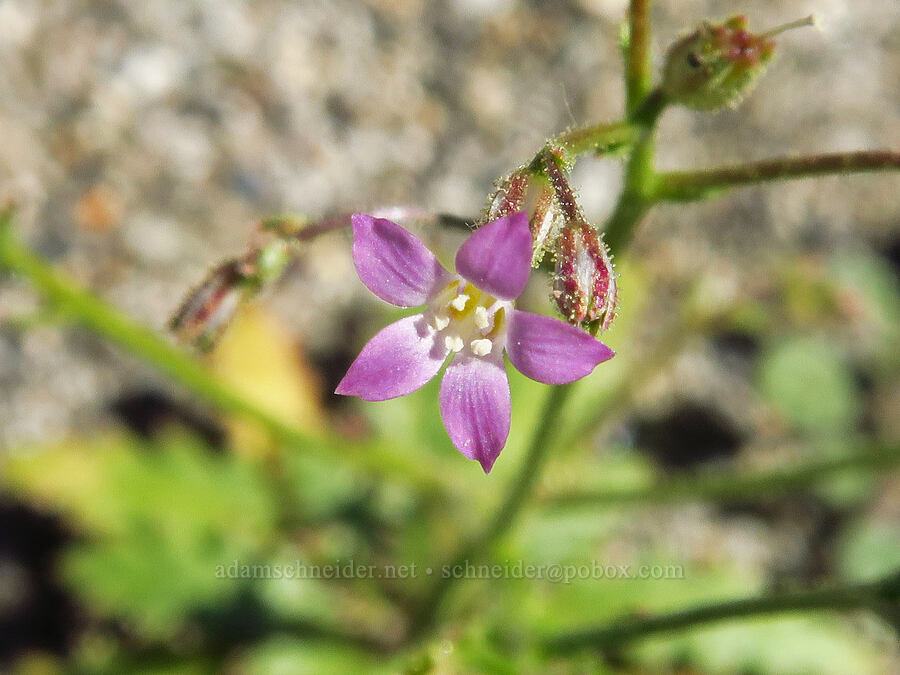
(640, 176)
(399, 214)
(598, 138)
(504, 517)
(629, 212)
(144, 343)
(698, 185)
(637, 62)
(730, 488)
(877, 595)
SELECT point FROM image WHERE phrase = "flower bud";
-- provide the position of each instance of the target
(584, 285)
(510, 196)
(208, 309)
(718, 64)
(545, 222)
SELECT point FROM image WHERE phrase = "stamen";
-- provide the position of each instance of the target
(482, 320)
(799, 23)
(440, 321)
(454, 343)
(459, 302)
(481, 347)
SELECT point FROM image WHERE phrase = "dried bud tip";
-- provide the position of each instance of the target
(811, 20)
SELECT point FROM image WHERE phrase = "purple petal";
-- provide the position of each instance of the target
(497, 257)
(551, 351)
(475, 407)
(393, 263)
(397, 361)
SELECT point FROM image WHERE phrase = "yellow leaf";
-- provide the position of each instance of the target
(262, 360)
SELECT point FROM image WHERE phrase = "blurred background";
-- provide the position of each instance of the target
(142, 141)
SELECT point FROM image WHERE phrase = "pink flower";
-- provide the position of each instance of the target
(469, 316)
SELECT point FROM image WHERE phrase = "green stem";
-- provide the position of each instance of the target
(640, 176)
(637, 62)
(730, 488)
(876, 596)
(504, 517)
(698, 185)
(629, 212)
(639, 180)
(601, 139)
(144, 343)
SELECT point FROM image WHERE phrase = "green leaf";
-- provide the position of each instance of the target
(157, 519)
(781, 646)
(869, 549)
(283, 656)
(807, 380)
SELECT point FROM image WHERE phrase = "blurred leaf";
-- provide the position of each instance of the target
(787, 646)
(158, 519)
(320, 486)
(870, 297)
(869, 549)
(807, 380)
(263, 363)
(283, 656)
(808, 293)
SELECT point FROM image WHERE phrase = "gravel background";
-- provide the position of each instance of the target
(142, 140)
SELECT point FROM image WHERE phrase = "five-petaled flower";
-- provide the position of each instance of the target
(468, 315)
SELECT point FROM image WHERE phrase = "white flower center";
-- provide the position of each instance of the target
(468, 319)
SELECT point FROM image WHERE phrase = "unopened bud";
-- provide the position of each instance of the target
(545, 222)
(208, 309)
(510, 196)
(718, 64)
(584, 286)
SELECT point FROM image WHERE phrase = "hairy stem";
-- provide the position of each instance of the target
(698, 185)
(339, 221)
(878, 595)
(731, 487)
(598, 138)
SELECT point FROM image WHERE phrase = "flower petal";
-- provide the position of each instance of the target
(551, 351)
(401, 358)
(475, 407)
(497, 256)
(394, 264)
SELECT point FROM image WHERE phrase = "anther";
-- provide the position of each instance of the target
(459, 302)
(454, 343)
(482, 320)
(481, 347)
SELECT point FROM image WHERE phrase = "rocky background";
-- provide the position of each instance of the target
(141, 141)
